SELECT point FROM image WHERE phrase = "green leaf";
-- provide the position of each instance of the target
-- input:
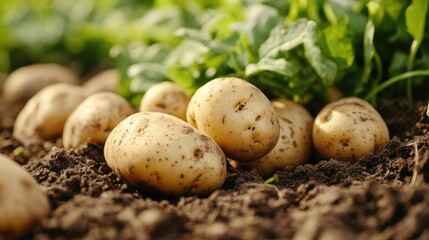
(282, 40)
(192, 34)
(187, 53)
(302, 32)
(336, 42)
(324, 67)
(272, 180)
(280, 66)
(346, 8)
(398, 64)
(260, 19)
(368, 55)
(376, 11)
(415, 17)
(141, 77)
(380, 9)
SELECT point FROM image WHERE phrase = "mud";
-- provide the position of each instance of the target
(384, 196)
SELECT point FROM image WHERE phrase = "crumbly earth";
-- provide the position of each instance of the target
(385, 196)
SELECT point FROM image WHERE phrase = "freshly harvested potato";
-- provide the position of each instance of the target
(348, 129)
(44, 115)
(160, 153)
(166, 97)
(22, 202)
(104, 81)
(295, 144)
(26, 81)
(237, 115)
(94, 119)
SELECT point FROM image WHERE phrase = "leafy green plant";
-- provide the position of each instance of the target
(294, 48)
(302, 49)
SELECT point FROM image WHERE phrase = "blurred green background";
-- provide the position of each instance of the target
(288, 48)
(80, 33)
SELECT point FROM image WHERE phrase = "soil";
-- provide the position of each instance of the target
(384, 196)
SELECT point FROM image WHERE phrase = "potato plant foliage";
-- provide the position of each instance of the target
(292, 48)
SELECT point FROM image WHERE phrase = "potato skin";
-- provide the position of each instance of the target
(26, 81)
(166, 97)
(104, 81)
(162, 154)
(94, 119)
(23, 203)
(44, 115)
(349, 129)
(295, 144)
(237, 115)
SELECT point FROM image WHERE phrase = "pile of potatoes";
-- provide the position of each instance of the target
(56, 105)
(178, 144)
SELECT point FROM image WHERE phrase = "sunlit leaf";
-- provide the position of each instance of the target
(415, 17)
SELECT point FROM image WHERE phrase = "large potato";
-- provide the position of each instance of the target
(94, 119)
(237, 115)
(22, 202)
(44, 115)
(166, 97)
(26, 81)
(295, 144)
(160, 153)
(348, 129)
(104, 81)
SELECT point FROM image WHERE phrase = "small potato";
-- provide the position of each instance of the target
(44, 115)
(166, 97)
(94, 119)
(237, 115)
(104, 81)
(348, 129)
(22, 202)
(160, 153)
(295, 144)
(26, 81)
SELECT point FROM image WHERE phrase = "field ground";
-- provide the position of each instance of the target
(385, 196)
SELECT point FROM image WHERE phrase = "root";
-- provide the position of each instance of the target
(416, 162)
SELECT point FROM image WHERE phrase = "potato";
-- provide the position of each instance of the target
(166, 97)
(94, 119)
(295, 144)
(237, 115)
(44, 115)
(104, 81)
(349, 129)
(160, 153)
(22, 202)
(26, 81)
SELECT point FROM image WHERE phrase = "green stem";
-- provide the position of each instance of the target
(379, 76)
(329, 13)
(379, 65)
(397, 78)
(413, 51)
(236, 66)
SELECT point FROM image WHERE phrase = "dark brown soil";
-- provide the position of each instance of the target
(385, 196)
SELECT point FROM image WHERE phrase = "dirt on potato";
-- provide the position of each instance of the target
(384, 196)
